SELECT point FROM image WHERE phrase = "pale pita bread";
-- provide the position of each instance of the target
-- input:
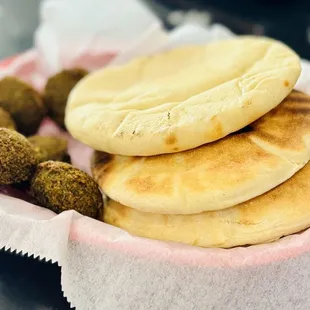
(183, 98)
(282, 211)
(217, 175)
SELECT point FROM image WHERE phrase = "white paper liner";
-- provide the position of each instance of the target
(103, 267)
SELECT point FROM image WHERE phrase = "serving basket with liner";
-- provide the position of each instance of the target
(104, 267)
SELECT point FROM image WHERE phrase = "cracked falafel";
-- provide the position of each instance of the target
(50, 148)
(6, 120)
(60, 186)
(17, 157)
(57, 90)
(23, 103)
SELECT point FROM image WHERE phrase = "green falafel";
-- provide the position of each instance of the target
(17, 157)
(23, 103)
(59, 186)
(50, 148)
(57, 90)
(6, 120)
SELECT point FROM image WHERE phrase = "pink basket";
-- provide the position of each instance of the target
(113, 238)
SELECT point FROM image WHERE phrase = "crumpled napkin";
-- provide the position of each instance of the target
(71, 29)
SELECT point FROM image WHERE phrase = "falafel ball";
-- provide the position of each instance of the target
(6, 120)
(60, 186)
(50, 148)
(23, 103)
(57, 90)
(17, 157)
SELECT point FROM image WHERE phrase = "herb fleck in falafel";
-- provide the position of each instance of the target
(17, 157)
(57, 91)
(23, 103)
(6, 120)
(60, 187)
(50, 148)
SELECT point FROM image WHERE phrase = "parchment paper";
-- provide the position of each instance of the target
(104, 267)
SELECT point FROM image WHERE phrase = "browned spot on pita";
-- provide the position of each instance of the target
(193, 183)
(299, 110)
(246, 222)
(145, 184)
(176, 149)
(293, 113)
(247, 103)
(217, 130)
(296, 96)
(171, 139)
(286, 83)
(299, 99)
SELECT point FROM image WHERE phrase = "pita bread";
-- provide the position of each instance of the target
(217, 175)
(282, 211)
(181, 99)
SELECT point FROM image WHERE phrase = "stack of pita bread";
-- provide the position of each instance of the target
(204, 145)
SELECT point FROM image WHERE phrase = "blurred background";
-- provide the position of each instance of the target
(287, 20)
(26, 283)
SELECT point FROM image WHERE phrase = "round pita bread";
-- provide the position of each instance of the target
(282, 211)
(181, 99)
(215, 176)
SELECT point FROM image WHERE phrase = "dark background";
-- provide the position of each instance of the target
(286, 20)
(26, 283)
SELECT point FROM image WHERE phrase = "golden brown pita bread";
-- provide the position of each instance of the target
(181, 99)
(217, 175)
(282, 211)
